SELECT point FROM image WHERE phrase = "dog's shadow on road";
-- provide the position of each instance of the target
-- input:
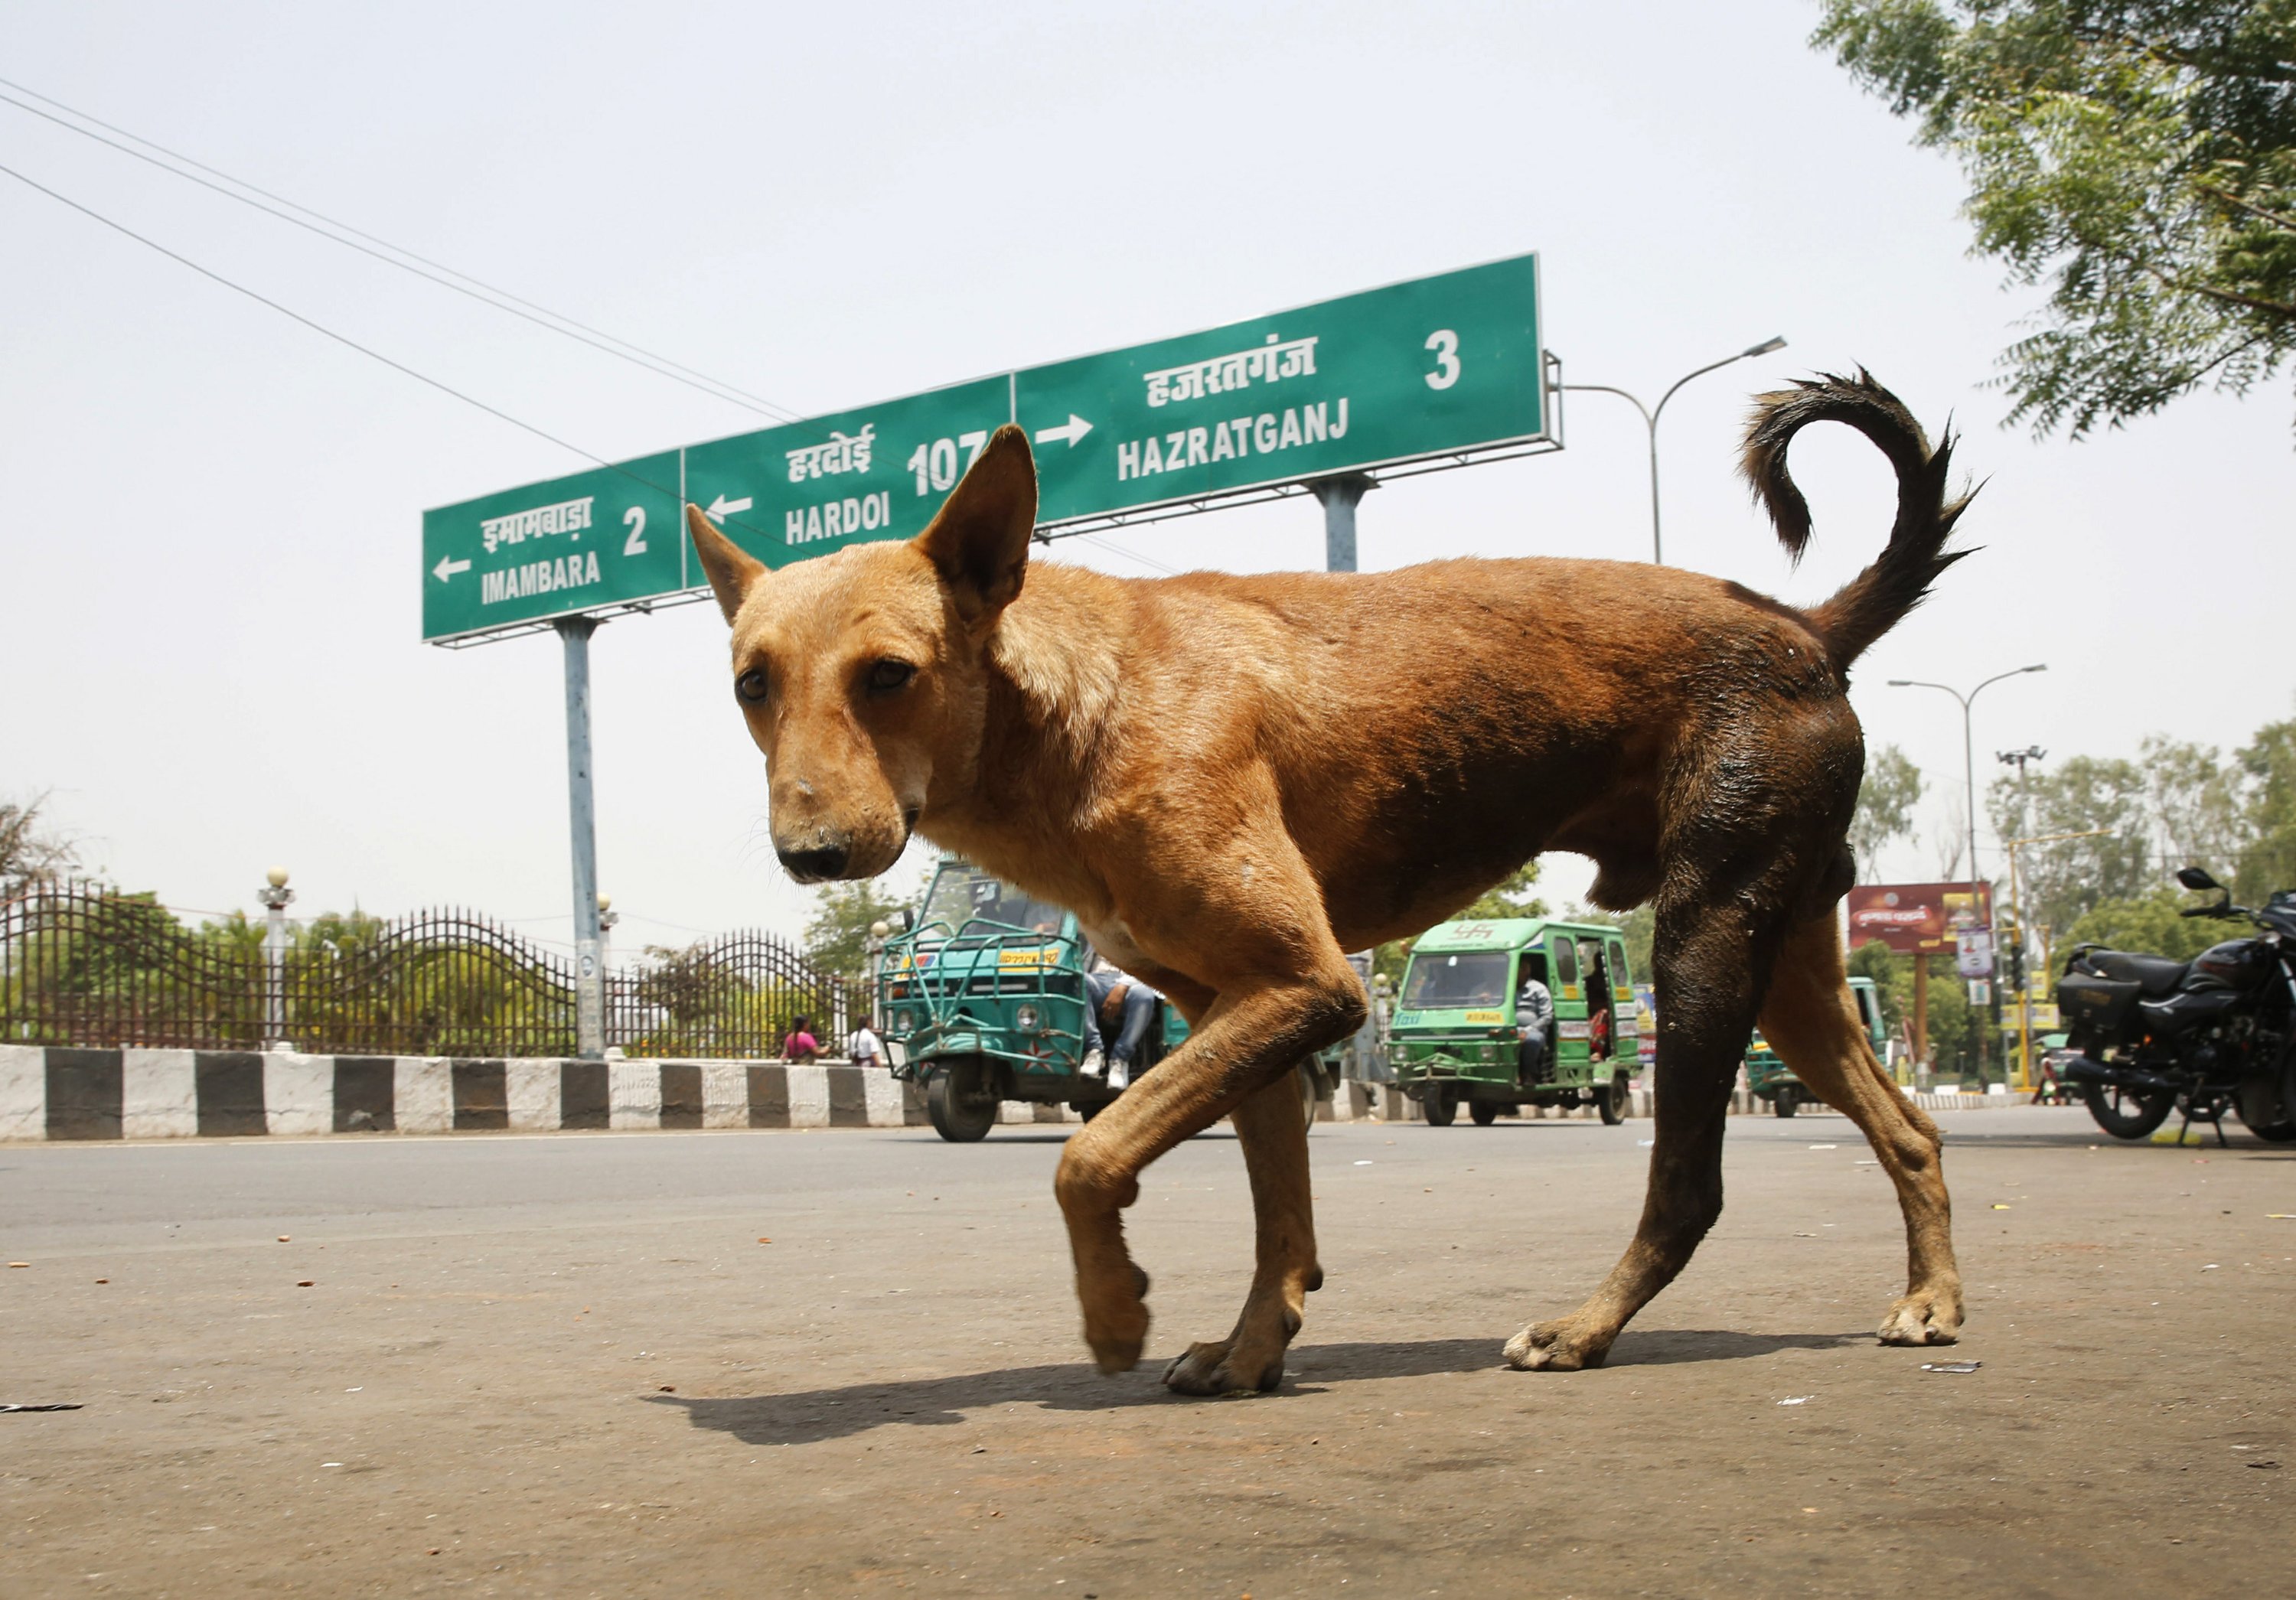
(812, 1416)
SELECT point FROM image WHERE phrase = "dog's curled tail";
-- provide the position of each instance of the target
(1874, 601)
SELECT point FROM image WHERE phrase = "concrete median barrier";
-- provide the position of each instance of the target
(56, 1093)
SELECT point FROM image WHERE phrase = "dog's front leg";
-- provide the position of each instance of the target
(1273, 1134)
(1238, 1062)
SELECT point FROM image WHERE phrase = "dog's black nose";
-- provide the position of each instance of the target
(825, 863)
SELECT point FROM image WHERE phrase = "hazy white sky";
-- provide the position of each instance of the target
(209, 517)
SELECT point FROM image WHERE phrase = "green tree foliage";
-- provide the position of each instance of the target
(30, 850)
(1885, 809)
(836, 939)
(2152, 925)
(2138, 156)
(2266, 856)
(2198, 813)
(2064, 879)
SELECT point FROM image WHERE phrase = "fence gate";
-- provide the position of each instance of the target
(86, 964)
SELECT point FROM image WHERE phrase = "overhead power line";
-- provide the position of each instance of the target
(382, 250)
(321, 329)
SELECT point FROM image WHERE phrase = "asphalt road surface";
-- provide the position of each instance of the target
(569, 1364)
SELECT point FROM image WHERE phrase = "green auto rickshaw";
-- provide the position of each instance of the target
(1770, 1078)
(983, 992)
(1456, 1039)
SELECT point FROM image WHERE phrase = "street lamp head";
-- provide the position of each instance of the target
(1765, 347)
(276, 877)
(605, 902)
(880, 928)
(2035, 667)
(1901, 683)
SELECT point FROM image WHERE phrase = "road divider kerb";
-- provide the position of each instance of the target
(56, 1093)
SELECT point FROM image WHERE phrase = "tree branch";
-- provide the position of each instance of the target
(2253, 210)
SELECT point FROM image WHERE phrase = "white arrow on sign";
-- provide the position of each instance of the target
(719, 509)
(446, 568)
(1073, 429)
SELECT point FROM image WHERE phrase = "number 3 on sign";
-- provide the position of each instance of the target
(635, 544)
(1445, 343)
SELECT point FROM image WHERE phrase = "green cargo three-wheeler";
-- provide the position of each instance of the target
(984, 997)
(1771, 1079)
(1456, 1039)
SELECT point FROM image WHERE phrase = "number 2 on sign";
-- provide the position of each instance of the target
(1445, 343)
(635, 544)
(935, 464)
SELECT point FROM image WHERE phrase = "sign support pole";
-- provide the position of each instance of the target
(1339, 495)
(589, 974)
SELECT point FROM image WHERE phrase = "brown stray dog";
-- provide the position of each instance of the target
(1231, 780)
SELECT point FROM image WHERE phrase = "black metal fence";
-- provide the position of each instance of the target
(85, 965)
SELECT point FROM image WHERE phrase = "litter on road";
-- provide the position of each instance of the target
(1951, 1366)
(63, 1406)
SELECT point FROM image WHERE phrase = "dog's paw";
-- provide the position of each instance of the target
(1116, 1324)
(1218, 1368)
(1557, 1346)
(1928, 1316)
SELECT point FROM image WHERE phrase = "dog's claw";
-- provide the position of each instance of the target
(1924, 1318)
(1553, 1347)
(1209, 1369)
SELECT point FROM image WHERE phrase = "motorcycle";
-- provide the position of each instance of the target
(2213, 1034)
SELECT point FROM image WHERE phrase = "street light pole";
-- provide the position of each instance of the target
(1651, 414)
(2025, 948)
(1969, 775)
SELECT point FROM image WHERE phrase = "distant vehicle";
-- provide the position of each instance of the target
(2203, 1037)
(983, 994)
(1456, 1039)
(1771, 1079)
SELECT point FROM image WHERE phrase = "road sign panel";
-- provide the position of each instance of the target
(878, 472)
(1425, 368)
(1446, 366)
(580, 543)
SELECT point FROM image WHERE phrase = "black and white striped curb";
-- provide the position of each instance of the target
(53, 1093)
(57, 1093)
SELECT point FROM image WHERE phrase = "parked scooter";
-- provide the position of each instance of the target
(2203, 1037)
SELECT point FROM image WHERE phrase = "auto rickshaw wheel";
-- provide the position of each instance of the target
(1483, 1112)
(1441, 1107)
(1786, 1104)
(1615, 1103)
(960, 1102)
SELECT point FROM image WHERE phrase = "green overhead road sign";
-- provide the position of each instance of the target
(1436, 372)
(1440, 366)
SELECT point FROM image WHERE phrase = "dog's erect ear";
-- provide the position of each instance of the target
(732, 572)
(979, 541)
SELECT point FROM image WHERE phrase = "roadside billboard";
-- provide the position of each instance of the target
(1917, 919)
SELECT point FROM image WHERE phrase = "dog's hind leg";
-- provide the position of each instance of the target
(1274, 1139)
(1810, 1019)
(1712, 955)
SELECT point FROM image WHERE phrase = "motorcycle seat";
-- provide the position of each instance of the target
(2152, 974)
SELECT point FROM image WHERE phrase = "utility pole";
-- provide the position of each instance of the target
(1651, 414)
(1969, 776)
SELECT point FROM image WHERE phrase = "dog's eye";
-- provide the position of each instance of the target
(750, 685)
(885, 676)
